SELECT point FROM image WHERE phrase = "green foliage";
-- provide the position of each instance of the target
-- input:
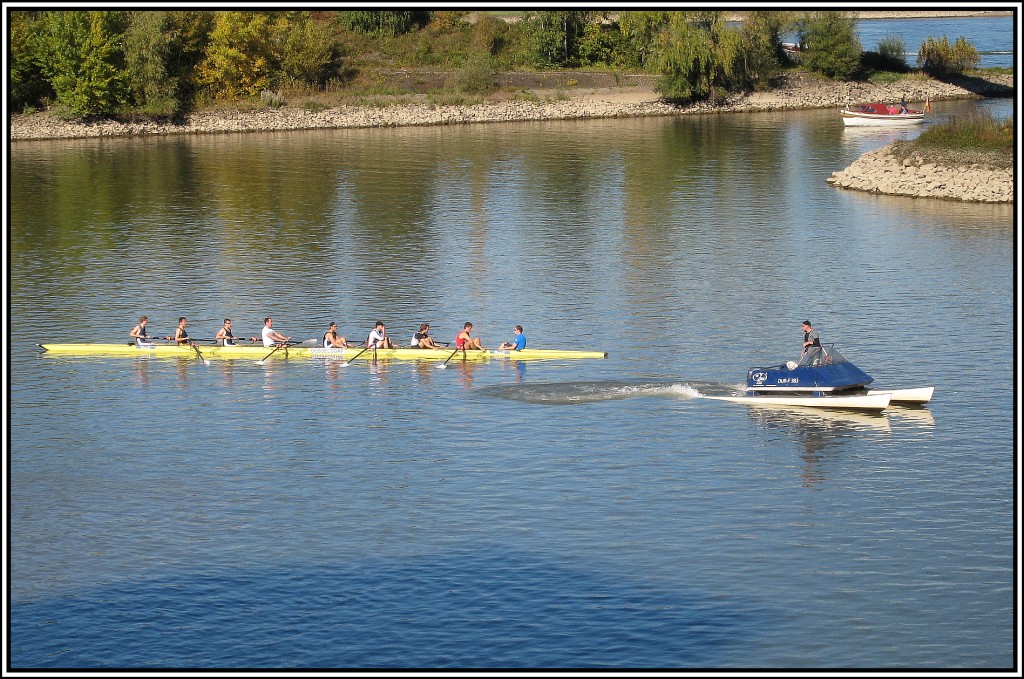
(698, 56)
(478, 75)
(488, 35)
(832, 45)
(309, 55)
(761, 54)
(82, 56)
(188, 36)
(893, 53)
(553, 38)
(146, 55)
(938, 58)
(162, 51)
(28, 85)
(639, 31)
(160, 62)
(598, 44)
(382, 23)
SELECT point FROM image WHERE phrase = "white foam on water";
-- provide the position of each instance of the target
(573, 393)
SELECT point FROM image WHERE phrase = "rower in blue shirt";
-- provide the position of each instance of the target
(518, 343)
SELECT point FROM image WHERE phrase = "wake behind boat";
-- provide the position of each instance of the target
(298, 351)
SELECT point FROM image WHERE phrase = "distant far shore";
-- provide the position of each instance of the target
(929, 14)
(918, 14)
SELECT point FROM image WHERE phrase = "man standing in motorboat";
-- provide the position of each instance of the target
(812, 345)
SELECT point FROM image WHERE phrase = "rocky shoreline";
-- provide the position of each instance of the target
(884, 171)
(796, 91)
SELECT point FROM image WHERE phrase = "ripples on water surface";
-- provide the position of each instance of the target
(167, 513)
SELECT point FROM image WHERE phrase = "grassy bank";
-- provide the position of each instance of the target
(972, 139)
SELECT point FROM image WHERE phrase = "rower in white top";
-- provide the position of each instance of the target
(272, 337)
(378, 338)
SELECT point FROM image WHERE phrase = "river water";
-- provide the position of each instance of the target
(166, 513)
(992, 37)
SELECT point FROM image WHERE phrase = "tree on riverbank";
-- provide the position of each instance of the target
(939, 59)
(82, 58)
(165, 63)
(832, 47)
(110, 62)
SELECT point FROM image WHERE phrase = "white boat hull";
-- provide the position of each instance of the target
(876, 401)
(917, 395)
(854, 119)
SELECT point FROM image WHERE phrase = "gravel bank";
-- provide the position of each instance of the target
(798, 91)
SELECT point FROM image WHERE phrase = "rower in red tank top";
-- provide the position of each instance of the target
(464, 341)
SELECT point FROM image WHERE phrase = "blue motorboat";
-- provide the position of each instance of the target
(822, 378)
(821, 370)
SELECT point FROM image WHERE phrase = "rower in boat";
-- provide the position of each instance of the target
(518, 342)
(465, 341)
(422, 339)
(332, 340)
(378, 338)
(225, 337)
(139, 333)
(180, 334)
(271, 337)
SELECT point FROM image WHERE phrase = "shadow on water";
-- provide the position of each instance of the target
(470, 608)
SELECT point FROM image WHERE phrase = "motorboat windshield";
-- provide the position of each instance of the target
(825, 354)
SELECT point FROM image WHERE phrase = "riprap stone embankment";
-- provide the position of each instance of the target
(883, 171)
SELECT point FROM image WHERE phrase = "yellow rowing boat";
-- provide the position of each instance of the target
(258, 352)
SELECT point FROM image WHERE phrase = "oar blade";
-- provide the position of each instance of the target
(444, 365)
(348, 362)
